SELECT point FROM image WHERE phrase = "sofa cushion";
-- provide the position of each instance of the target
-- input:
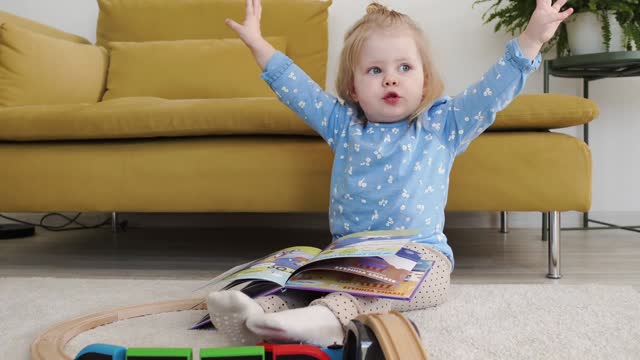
(144, 117)
(522, 171)
(302, 23)
(186, 69)
(39, 69)
(545, 111)
(39, 28)
(527, 171)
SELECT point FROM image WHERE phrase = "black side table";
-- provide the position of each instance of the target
(591, 67)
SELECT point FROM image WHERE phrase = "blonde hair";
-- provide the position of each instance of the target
(378, 16)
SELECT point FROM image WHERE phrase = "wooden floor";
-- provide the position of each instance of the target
(482, 255)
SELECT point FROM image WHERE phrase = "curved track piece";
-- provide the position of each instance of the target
(396, 335)
(50, 344)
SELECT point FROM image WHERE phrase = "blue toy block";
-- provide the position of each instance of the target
(102, 352)
(334, 352)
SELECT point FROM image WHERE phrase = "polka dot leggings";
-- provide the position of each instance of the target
(433, 291)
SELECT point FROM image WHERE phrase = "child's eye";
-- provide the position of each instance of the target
(375, 70)
(405, 67)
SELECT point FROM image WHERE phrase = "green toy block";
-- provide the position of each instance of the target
(159, 354)
(233, 353)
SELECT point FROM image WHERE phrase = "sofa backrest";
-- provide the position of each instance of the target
(302, 23)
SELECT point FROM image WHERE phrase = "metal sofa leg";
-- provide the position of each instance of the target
(504, 222)
(554, 245)
(545, 226)
(114, 222)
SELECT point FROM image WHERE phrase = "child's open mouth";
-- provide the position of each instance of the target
(391, 98)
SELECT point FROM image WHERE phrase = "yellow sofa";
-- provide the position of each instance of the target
(166, 113)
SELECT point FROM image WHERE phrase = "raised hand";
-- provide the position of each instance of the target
(249, 32)
(542, 25)
(546, 18)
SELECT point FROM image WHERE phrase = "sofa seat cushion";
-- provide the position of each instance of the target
(522, 171)
(145, 117)
(526, 171)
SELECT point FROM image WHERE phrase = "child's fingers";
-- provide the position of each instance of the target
(249, 8)
(565, 14)
(233, 25)
(258, 8)
(559, 4)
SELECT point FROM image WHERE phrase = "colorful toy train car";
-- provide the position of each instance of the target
(264, 351)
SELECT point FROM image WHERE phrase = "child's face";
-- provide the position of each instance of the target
(388, 77)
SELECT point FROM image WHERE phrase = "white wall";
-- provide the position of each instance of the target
(464, 48)
(75, 16)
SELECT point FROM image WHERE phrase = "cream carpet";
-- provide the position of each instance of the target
(478, 321)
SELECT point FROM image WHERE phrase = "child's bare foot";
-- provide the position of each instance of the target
(229, 311)
(316, 325)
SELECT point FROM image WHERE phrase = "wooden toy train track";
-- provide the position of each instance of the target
(389, 336)
(50, 345)
(396, 336)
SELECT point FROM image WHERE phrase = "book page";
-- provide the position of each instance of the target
(331, 281)
(275, 267)
(367, 243)
(371, 267)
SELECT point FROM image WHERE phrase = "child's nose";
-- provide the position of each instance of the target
(390, 82)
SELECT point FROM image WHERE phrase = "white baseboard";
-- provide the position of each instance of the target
(320, 220)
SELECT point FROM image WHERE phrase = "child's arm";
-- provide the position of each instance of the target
(293, 86)
(460, 120)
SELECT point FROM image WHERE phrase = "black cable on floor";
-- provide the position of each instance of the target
(63, 227)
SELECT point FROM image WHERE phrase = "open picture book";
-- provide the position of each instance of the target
(373, 263)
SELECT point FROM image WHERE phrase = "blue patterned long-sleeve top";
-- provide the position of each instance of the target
(396, 175)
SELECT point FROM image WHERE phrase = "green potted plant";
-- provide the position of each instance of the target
(513, 15)
(631, 27)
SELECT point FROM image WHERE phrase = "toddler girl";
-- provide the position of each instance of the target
(394, 139)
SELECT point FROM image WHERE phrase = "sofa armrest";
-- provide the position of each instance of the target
(545, 111)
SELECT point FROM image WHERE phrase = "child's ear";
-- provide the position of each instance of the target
(353, 94)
